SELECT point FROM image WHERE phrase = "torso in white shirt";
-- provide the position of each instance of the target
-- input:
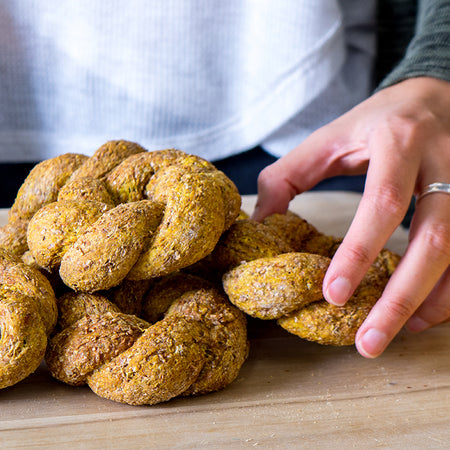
(208, 77)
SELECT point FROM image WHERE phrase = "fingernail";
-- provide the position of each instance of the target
(416, 324)
(339, 291)
(372, 343)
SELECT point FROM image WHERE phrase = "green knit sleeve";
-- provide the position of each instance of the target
(428, 53)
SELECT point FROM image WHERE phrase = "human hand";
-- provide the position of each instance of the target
(401, 137)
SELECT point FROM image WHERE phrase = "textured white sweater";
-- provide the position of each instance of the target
(209, 77)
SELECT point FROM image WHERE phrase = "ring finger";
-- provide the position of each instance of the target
(435, 309)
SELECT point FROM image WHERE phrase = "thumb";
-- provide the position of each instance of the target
(298, 171)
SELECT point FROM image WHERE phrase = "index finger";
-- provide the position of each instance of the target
(389, 185)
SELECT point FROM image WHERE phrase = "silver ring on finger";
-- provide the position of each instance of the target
(443, 188)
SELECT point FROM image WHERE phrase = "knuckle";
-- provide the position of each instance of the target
(265, 175)
(400, 307)
(269, 176)
(358, 255)
(388, 199)
(413, 127)
(437, 238)
(274, 178)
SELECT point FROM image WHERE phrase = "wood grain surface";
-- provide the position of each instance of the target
(289, 394)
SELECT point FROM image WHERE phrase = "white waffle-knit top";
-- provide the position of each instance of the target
(209, 77)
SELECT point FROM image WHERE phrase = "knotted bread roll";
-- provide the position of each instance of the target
(28, 314)
(286, 284)
(126, 213)
(197, 346)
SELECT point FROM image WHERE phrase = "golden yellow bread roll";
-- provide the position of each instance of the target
(288, 286)
(198, 346)
(129, 214)
(28, 314)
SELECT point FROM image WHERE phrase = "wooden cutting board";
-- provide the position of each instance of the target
(289, 394)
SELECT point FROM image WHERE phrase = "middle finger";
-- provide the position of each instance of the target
(426, 259)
